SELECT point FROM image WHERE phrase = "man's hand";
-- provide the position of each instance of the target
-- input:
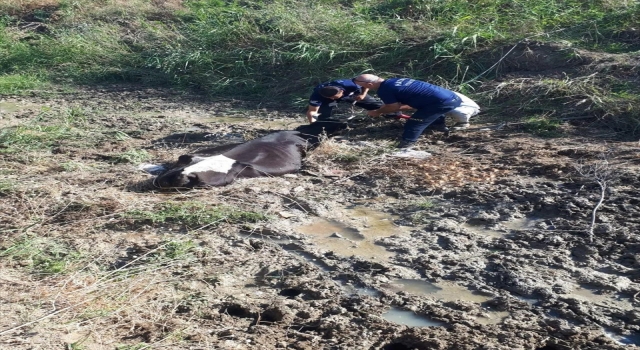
(360, 97)
(374, 113)
(312, 113)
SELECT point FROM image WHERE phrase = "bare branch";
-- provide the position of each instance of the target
(602, 173)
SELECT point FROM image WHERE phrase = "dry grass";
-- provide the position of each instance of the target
(23, 7)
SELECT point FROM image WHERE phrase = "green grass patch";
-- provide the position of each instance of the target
(195, 214)
(46, 131)
(133, 156)
(425, 204)
(41, 255)
(15, 84)
(7, 187)
(542, 126)
(276, 51)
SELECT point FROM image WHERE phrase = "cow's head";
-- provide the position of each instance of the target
(201, 171)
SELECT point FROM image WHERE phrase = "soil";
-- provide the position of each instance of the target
(484, 245)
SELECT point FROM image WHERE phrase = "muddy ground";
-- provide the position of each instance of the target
(487, 244)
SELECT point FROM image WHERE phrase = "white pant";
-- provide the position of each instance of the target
(467, 109)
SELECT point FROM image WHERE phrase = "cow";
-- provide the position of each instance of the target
(275, 154)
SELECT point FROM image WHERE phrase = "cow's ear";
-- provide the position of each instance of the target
(192, 180)
(184, 159)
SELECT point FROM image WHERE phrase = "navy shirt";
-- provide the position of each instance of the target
(415, 93)
(349, 87)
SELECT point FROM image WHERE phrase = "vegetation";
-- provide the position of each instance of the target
(255, 49)
(195, 214)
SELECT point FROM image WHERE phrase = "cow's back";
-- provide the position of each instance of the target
(274, 154)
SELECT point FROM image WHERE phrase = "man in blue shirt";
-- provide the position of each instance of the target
(325, 98)
(431, 102)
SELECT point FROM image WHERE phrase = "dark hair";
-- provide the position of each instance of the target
(329, 91)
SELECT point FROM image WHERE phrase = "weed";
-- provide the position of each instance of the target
(71, 166)
(176, 249)
(75, 346)
(42, 255)
(121, 136)
(7, 187)
(542, 126)
(133, 156)
(195, 214)
(12, 84)
(425, 204)
(32, 137)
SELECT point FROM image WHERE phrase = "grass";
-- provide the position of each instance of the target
(14, 84)
(43, 256)
(258, 49)
(133, 156)
(542, 126)
(7, 187)
(195, 214)
(47, 130)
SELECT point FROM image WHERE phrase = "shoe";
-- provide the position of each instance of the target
(439, 127)
(460, 126)
(406, 144)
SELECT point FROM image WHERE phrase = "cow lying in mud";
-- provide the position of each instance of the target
(275, 154)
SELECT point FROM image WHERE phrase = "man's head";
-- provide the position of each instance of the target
(368, 81)
(331, 92)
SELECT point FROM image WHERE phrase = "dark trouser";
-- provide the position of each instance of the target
(423, 118)
(369, 103)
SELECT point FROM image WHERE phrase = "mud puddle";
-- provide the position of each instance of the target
(447, 291)
(348, 241)
(519, 224)
(483, 231)
(590, 295)
(630, 339)
(409, 318)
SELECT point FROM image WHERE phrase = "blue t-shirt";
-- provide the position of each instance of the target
(349, 87)
(415, 93)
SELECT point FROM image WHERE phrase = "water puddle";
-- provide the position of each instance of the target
(605, 300)
(356, 290)
(630, 339)
(447, 291)
(495, 317)
(409, 318)
(323, 227)
(521, 224)
(347, 241)
(483, 231)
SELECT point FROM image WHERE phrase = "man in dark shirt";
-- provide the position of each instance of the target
(431, 102)
(325, 98)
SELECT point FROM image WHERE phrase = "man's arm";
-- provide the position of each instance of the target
(312, 111)
(362, 95)
(386, 109)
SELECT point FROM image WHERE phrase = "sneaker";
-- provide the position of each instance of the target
(460, 126)
(439, 127)
(406, 144)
